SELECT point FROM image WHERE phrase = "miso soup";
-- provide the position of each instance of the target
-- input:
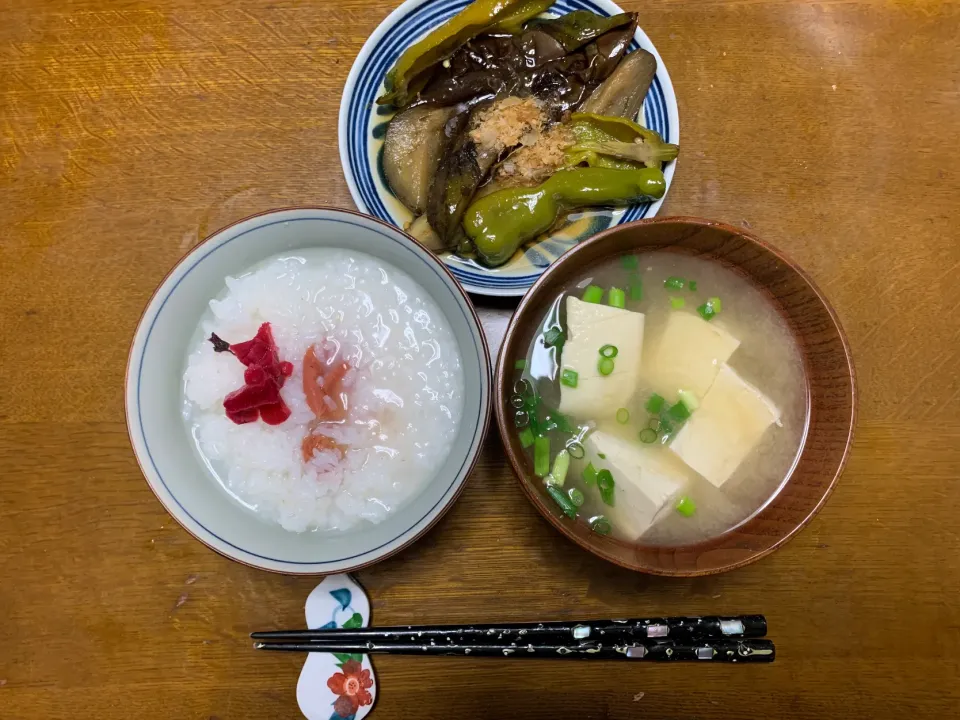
(663, 400)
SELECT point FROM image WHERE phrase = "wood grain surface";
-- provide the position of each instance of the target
(129, 130)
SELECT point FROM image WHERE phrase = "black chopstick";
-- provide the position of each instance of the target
(717, 650)
(546, 633)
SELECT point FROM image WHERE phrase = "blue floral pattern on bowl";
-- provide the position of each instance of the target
(337, 686)
(363, 127)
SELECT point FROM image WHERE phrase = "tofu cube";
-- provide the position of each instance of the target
(688, 356)
(730, 421)
(646, 480)
(590, 326)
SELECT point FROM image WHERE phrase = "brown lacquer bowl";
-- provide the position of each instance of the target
(832, 391)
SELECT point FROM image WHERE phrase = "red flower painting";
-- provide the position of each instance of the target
(352, 685)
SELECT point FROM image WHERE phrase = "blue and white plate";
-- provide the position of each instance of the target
(363, 126)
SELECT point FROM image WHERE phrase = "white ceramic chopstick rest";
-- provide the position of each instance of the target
(335, 686)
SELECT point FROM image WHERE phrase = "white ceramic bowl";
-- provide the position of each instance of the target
(154, 392)
(363, 127)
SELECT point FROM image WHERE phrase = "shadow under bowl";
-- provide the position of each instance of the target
(832, 395)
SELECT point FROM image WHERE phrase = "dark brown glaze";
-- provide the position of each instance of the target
(832, 395)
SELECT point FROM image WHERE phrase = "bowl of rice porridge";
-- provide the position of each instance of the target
(308, 390)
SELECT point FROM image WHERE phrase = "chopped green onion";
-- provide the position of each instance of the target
(605, 480)
(601, 456)
(654, 424)
(689, 400)
(517, 401)
(553, 337)
(609, 351)
(541, 456)
(600, 525)
(655, 404)
(520, 364)
(710, 308)
(589, 475)
(605, 366)
(593, 294)
(686, 507)
(674, 283)
(635, 289)
(617, 298)
(677, 303)
(561, 465)
(575, 448)
(608, 497)
(576, 496)
(679, 412)
(558, 421)
(692, 285)
(623, 416)
(665, 427)
(526, 438)
(560, 497)
(648, 435)
(524, 388)
(629, 262)
(569, 377)
(521, 419)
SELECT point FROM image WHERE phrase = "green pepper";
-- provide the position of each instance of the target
(513, 23)
(406, 78)
(604, 141)
(502, 221)
(577, 28)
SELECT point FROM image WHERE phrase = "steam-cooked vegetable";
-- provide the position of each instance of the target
(603, 141)
(406, 77)
(533, 62)
(623, 92)
(476, 141)
(514, 21)
(577, 28)
(502, 221)
(490, 126)
(411, 153)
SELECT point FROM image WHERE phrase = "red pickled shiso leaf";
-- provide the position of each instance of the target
(255, 375)
(242, 417)
(252, 396)
(274, 414)
(259, 398)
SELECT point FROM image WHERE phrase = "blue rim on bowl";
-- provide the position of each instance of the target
(153, 387)
(363, 124)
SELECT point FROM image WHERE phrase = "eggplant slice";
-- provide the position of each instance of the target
(622, 94)
(411, 153)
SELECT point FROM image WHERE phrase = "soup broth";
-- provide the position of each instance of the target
(663, 399)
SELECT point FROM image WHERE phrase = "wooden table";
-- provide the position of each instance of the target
(130, 129)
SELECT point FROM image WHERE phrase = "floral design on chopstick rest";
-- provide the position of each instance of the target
(335, 686)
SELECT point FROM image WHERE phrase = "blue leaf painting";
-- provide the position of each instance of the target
(329, 626)
(342, 596)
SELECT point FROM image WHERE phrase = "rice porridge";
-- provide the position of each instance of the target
(343, 406)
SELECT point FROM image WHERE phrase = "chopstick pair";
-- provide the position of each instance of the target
(666, 639)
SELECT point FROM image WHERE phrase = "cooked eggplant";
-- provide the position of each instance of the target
(623, 92)
(411, 153)
(535, 62)
(491, 102)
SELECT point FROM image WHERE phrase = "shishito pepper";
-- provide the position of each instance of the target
(406, 78)
(502, 221)
(616, 142)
